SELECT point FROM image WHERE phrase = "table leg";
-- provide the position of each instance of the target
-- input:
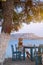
(31, 52)
(23, 53)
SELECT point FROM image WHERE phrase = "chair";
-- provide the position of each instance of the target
(16, 55)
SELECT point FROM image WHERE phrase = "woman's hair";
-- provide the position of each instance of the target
(20, 39)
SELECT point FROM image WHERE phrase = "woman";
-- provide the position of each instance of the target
(20, 45)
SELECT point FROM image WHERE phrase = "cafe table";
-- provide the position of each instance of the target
(31, 51)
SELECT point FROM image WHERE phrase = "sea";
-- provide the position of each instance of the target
(27, 42)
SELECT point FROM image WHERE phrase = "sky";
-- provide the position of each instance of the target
(36, 28)
(41, 0)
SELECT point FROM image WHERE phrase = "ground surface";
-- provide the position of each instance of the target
(18, 62)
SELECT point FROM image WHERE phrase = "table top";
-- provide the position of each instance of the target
(30, 46)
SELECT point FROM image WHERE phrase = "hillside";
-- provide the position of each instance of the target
(25, 36)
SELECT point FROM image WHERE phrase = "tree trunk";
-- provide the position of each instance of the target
(6, 27)
(4, 40)
(8, 15)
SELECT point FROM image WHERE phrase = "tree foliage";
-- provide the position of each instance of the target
(29, 13)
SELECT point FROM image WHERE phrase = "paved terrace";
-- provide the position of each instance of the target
(22, 62)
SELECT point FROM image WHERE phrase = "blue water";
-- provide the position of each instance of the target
(25, 42)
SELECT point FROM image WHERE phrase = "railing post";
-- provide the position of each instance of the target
(23, 53)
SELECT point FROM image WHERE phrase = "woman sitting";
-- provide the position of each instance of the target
(20, 45)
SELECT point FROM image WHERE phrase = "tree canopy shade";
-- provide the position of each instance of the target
(32, 10)
(0, 10)
(2, 0)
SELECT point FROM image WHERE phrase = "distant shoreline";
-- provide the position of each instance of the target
(30, 36)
